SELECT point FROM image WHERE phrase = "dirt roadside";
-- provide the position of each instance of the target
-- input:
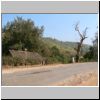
(35, 67)
(28, 68)
(82, 79)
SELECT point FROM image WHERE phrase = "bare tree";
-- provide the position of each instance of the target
(79, 44)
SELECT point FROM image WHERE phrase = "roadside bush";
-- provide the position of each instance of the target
(7, 60)
(16, 61)
(81, 59)
(59, 59)
(68, 60)
(31, 62)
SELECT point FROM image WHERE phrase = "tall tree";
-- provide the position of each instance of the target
(21, 34)
(79, 44)
(95, 46)
(92, 54)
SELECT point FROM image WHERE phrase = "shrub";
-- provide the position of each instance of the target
(31, 62)
(16, 61)
(7, 60)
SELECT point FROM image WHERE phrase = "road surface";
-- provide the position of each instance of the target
(46, 75)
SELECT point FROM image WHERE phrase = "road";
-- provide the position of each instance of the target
(46, 75)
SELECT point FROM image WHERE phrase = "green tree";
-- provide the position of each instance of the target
(21, 34)
(55, 51)
(89, 55)
(92, 54)
(95, 46)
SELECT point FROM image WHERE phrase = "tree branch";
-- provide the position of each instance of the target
(77, 29)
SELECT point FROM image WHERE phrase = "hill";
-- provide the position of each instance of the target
(64, 46)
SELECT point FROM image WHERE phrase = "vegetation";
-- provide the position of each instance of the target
(21, 34)
(92, 54)
(67, 47)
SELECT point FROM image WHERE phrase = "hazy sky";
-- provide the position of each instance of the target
(61, 26)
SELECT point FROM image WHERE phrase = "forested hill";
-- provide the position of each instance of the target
(69, 46)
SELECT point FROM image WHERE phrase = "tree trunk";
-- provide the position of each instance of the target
(79, 50)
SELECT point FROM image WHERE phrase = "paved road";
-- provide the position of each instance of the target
(45, 76)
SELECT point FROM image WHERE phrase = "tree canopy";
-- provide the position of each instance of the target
(92, 54)
(20, 34)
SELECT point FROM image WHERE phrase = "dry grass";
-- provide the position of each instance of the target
(82, 79)
(29, 67)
